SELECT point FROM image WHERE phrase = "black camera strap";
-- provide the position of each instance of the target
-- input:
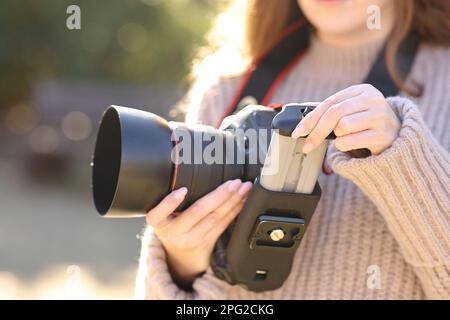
(268, 71)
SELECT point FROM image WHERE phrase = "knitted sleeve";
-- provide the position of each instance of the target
(155, 282)
(410, 185)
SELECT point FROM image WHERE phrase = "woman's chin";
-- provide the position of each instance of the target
(336, 26)
(330, 2)
(335, 16)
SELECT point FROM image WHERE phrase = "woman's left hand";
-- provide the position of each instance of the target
(359, 116)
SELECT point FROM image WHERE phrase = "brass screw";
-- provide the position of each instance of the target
(277, 234)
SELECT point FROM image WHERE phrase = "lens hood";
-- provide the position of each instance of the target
(132, 167)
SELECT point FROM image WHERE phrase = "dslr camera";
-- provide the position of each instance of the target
(140, 157)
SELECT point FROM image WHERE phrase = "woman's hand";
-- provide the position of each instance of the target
(189, 236)
(359, 116)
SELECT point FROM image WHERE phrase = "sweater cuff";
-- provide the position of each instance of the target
(155, 282)
(410, 185)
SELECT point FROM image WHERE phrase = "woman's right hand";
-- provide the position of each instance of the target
(189, 237)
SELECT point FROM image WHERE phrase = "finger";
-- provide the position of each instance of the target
(214, 233)
(353, 123)
(235, 199)
(308, 123)
(365, 139)
(328, 122)
(158, 216)
(217, 215)
(204, 227)
(205, 205)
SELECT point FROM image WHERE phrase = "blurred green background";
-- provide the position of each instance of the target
(122, 41)
(54, 85)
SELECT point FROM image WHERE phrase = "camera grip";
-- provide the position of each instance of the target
(257, 250)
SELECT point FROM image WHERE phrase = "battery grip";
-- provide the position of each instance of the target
(257, 252)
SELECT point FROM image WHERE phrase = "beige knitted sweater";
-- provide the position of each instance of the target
(382, 227)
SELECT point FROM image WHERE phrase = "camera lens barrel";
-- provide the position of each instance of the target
(196, 166)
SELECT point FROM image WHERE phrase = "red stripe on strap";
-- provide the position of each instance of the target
(175, 171)
(325, 169)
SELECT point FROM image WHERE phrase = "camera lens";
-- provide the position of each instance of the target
(139, 158)
(132, 168)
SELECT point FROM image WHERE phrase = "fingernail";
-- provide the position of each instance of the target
(180, 193)
(246, 187)
(299, 131)
(234, 185)
(307, 147)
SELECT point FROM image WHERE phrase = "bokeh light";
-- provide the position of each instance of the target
(76, 126)
(21, 119)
